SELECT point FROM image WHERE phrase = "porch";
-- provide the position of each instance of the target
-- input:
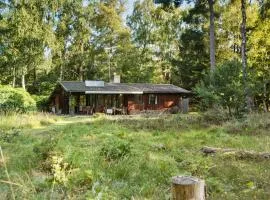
(87, 104)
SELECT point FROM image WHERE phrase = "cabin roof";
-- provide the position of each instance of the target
(122, 88)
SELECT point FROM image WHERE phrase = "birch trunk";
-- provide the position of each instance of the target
(14, 77)
(81, 70)
(61, 71)
(212, 36)
(23, 80)
(244, 54)
(265, 97)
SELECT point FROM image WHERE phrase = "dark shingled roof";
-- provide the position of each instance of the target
(125, 88)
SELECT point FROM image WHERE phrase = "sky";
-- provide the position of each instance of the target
(129, 8)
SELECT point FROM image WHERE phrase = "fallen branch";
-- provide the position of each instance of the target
(11, 183)
(237, 153)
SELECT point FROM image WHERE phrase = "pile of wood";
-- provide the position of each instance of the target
(241, 154)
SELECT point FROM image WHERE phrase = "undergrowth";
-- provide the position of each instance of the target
(131, 157)
(30, 120)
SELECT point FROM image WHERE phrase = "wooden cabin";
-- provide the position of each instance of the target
(88, 97)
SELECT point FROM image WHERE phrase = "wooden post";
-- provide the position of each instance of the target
(188, 188)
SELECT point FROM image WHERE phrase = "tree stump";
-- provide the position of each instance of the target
(188, 188)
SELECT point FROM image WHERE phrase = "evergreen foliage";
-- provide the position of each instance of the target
(223, 88)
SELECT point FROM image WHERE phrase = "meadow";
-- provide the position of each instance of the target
(130, 157)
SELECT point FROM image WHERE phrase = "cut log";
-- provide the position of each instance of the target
(188, 188)
(237, 153)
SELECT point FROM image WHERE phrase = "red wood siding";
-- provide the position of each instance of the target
(170, 100)
(134, 102)
(163, 101)
(59, 101)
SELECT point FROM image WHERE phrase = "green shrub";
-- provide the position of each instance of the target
(80, 177)
(15, 100)
(10, 135)
(114, 149)
(42, 102)
(254, 123)
(223, 88)
(44, 149)
(215, 116)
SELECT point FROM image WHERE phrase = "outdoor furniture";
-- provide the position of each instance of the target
(124, 111)
(109, 111)
(83, 110)
(116, 111)
(89, 110)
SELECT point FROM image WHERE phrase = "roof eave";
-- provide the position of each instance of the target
(63, 87)
(166, 92)
(113, 92)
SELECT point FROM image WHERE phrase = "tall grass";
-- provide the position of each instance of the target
(134, 157)
(254, 124)
(30, 120)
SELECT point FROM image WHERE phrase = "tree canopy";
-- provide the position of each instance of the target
(43, 42)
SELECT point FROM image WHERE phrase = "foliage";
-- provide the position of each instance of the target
(193, 46)
(15, 100)
(41, 102)
(223, 88)
(155, 32)
(114, 149)
(10, 135)
(216, 116)
(260, 62)
(60, 170)
(254, 124)
(46, 41)
(207, 94)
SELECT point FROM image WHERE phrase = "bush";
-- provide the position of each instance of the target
(223, 88)
(42, 102)
(10, 135)
(114, 149)
(255, 123)
(215, 116)
(15, 100)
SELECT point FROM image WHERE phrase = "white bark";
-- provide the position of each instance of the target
(212, 36)
(244, 54)
(14, 77)
(23, 81)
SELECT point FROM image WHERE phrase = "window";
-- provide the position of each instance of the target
(152, 99)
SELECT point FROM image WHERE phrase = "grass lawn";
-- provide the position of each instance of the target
(99, 157)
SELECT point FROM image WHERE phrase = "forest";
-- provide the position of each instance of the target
(182, 42)
(217, 49)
